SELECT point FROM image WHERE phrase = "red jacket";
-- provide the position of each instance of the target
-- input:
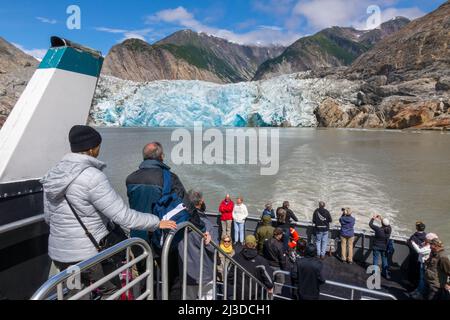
(294, 238)
(226, 210)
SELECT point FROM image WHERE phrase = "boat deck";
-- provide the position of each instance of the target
(355, 274)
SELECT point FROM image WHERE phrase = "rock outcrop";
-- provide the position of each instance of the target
(16, 68)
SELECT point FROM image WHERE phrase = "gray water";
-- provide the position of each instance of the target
(404, 176)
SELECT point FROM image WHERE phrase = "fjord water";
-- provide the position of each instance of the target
(404, 175)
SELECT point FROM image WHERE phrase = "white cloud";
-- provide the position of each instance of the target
(261, 36)
(127, 34)
(47, 20)
(321, 14)
(38, 54)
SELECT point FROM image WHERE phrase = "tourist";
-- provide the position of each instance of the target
(200, 220)
(273, 250)
(289, 213)
(285, 226)
(275, 254)
(144, 186)
(264, 233)
(227, 246)
(253, 263)
(423, 252)
(321, 221)
(438, 272)
(294, 237)
(307, 275)
(268, 211)
(226, 215)
(417, 238)
(78, 203)
(347, 222)
(145, 189)
(240, 214)
(380, 243)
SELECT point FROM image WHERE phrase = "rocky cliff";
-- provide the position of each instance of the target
(406, 79)
(16, 68)
(186, 55)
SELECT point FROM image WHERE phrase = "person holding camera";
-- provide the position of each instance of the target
(347, 222)
(380, 243)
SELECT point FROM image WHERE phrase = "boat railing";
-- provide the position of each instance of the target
(256, 291)
(372, 294)
(58, 288)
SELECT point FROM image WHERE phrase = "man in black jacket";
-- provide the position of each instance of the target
(321, 221)
(274, 253)
(249, 259)
(307, 275)
(289, 213)
(380, 243)
(273, 250)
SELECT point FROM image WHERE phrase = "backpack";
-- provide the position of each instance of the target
(168, 207)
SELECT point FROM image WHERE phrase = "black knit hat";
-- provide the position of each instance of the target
(84, 138)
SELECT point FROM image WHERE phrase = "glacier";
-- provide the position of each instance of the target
(288, 100)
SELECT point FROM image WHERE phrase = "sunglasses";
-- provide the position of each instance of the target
(227, 241)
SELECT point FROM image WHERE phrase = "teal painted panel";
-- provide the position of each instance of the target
(70, 59)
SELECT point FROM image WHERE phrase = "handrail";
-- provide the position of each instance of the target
(165, 272)
(21, 223)
(336, 284)
(58, 280)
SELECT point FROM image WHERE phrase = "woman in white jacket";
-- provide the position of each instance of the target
(424, 254)
(240, 213)
(79, 177)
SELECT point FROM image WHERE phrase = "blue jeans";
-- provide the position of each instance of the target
(384, 260)
(239, 231)
(422, 285)
(321, 243)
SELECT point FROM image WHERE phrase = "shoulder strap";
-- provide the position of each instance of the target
(167, 182)
(88, 234)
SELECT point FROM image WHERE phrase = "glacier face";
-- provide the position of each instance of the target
(285, 100)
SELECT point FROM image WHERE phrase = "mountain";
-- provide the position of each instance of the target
(406, 78)
(421, 45)
(331, 47)
(186, 55)
(16, 68)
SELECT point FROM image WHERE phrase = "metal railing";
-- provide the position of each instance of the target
(58, 283)
(351, 288)
(256, 289)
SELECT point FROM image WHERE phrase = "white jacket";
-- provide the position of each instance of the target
(240, 213)
(424, 252)
(95, 201)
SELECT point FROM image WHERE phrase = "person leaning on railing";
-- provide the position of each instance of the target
(76, 188)
(200, 220)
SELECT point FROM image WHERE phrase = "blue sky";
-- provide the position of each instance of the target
(29, 24)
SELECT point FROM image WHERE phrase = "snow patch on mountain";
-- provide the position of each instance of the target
(286, 100)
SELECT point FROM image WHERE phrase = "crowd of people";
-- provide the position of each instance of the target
(84, 213)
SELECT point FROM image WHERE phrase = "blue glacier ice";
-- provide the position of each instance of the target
(286, 100)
